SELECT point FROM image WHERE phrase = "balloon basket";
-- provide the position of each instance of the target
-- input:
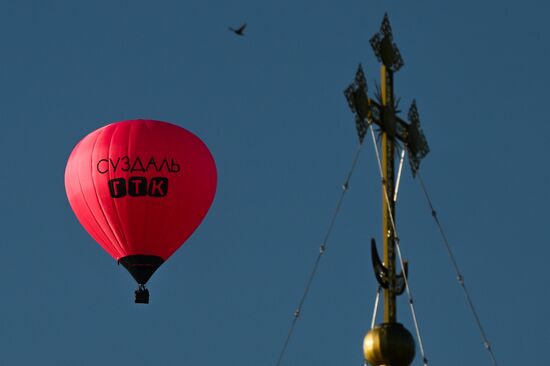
(142, 295)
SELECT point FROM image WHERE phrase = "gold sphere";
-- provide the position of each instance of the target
(389, 344)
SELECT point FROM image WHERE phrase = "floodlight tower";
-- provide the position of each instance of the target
(389, 343)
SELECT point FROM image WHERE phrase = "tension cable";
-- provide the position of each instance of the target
(459, 277)
(322, 250)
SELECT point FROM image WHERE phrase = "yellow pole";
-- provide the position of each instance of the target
(388, 211)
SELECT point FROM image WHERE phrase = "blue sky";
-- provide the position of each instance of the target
(270, 106)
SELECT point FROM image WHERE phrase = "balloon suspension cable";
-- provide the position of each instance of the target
(322, 250)
(398, 247)
(459, 277)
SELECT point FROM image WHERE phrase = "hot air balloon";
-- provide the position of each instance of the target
(140, 188)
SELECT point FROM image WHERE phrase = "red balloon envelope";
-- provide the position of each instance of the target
(140, 188)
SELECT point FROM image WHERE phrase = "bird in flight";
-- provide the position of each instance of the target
(239, 31)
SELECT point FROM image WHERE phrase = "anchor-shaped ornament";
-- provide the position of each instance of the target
(382, 273)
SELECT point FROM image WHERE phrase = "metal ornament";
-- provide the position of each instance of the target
(385, 49)
(382, 273)
(359, 103)
(383, 113)
(416, 141)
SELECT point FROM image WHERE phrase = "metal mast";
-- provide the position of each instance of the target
(389, 343)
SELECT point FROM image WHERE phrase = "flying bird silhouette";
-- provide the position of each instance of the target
(239, 31)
